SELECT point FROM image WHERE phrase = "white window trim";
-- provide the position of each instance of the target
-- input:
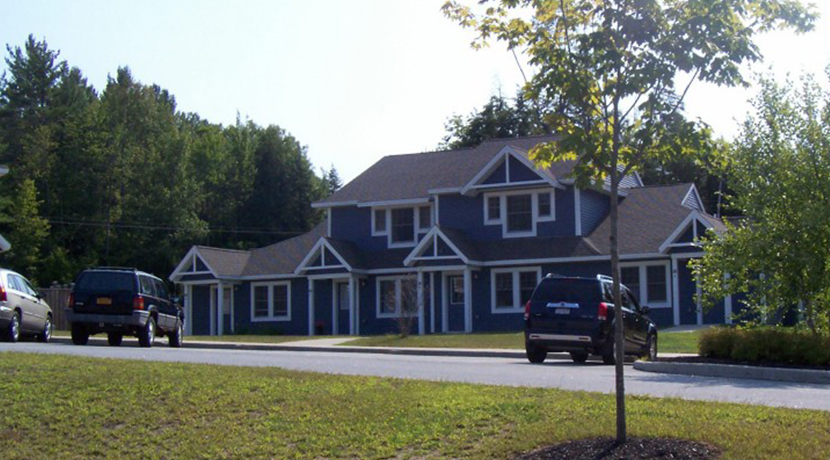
(271, 316)
(417, 227)
(397, 280)
(385, 216)
(502, 218)
(517, 307)
(643, 294)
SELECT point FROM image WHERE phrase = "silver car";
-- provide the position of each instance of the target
(22, 309)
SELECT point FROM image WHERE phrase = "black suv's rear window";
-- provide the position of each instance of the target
(583, 292)
(105, 281)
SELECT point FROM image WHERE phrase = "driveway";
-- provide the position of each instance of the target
(492, 371)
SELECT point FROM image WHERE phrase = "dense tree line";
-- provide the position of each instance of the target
(121, 177)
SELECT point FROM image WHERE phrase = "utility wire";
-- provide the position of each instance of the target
(128, 225)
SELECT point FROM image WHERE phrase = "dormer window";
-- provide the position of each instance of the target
(518, 212)
(379, 222)
(403, 225)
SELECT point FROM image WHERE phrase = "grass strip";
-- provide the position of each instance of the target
(80, 408)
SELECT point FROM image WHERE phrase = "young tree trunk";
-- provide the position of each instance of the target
(618, 313)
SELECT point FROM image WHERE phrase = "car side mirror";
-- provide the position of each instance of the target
(645, 309)
(176, 299)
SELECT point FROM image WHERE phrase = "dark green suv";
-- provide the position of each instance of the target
(123, 301)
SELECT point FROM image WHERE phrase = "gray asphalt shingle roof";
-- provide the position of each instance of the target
(224, 262)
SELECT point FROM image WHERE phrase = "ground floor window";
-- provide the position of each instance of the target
(456, 289)
(648, 281)
(397, 296)
(271, 301)
(511, 288)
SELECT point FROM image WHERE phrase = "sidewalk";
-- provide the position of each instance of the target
(332, 346)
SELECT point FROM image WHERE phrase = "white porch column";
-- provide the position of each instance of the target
(188, 309)
(675, 291)
(212, 309)
(310, 307)
(468, 301)
(335, 315)
(351, 305)
(444, 296)
(357, 307)
(220, 304)
(432, 302)
(420, 301)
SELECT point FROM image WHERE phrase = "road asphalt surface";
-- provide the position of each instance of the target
(490, 371)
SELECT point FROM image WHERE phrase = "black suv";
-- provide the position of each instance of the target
(576, 315)
(122, 301)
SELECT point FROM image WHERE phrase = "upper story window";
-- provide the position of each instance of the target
(379, 222)
(401, 225)
(519, 211)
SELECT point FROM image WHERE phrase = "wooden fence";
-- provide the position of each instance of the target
(57, 298)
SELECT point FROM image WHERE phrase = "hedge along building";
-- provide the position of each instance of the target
(471, 231)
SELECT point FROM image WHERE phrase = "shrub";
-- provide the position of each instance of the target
(766, 344)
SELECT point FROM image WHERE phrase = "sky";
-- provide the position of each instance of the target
(352, 80)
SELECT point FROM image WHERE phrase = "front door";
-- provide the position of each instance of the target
(455, 303)
(344, 307)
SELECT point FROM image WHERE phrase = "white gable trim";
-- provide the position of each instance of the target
(504, 156)
(333, 204)
(693, 216)
(694, 193)
(318, 246)
(432, 237)
(191, 256)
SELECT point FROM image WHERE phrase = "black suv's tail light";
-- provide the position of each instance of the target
(527, 310)
(71, 301)
(602, 311)
(138, 303)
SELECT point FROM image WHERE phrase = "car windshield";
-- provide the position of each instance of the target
(105, 281)
(583, 292)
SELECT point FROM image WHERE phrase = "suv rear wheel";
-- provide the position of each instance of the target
(610, 355)
(535, 355)
(114, 339)
(174, 338)
(80, 336)
(148, 333)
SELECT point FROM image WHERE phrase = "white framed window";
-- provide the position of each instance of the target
(519, 211)
(648, 281)
(379, 225)
(271, 301)
(492, 209)
(511, 288)
(396, 296)
(401, 225)
(456, 283)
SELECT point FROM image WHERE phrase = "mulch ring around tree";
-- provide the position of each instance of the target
(634, 449)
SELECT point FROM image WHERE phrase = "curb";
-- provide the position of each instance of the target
(737, 371)
(450, 352)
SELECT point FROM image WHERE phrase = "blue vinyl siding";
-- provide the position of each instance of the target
(520, 172)
(662, 317)
(354, 224)
(687, 236)
(595, 207)
(200, 312)
(498, 176)
(185, 278)
(686, 282)
(200, 265)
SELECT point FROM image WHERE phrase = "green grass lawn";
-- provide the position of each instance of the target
(80, 408)
(670, 342)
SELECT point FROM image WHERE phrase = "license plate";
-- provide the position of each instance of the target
(104, 301)
(562, 311)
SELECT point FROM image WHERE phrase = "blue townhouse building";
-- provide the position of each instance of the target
(456, 241)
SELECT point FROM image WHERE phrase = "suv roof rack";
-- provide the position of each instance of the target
(605, 278)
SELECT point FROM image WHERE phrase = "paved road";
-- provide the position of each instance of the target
(494, 371)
